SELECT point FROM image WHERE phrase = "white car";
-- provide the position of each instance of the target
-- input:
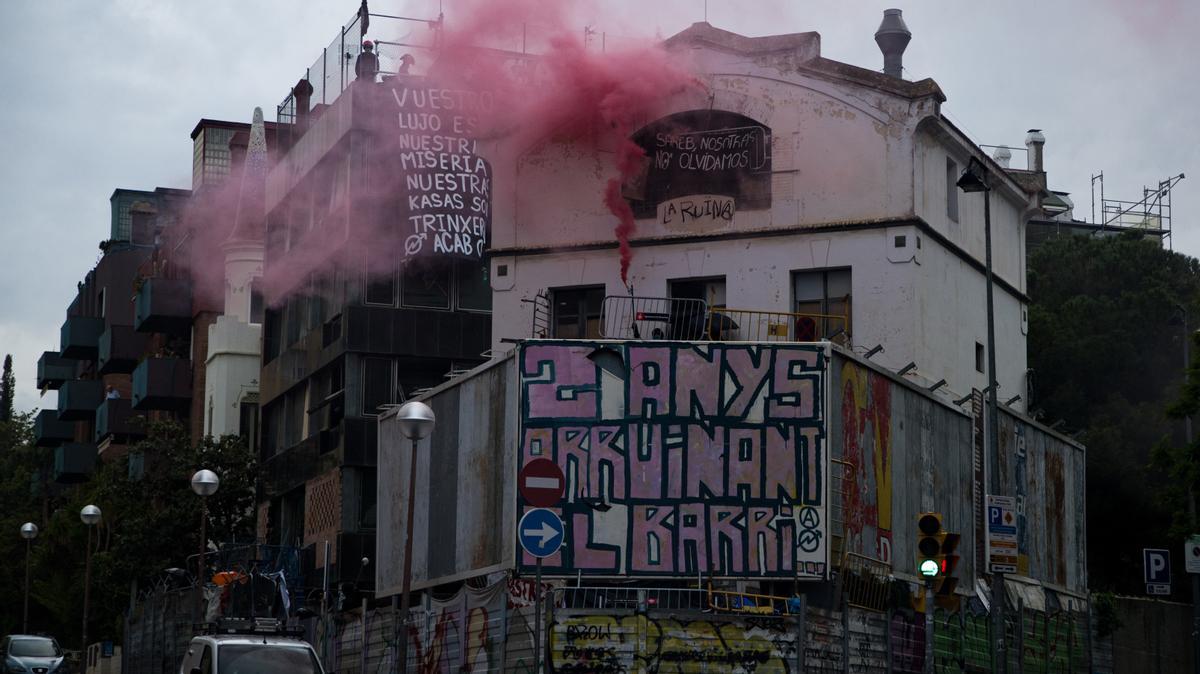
(249, 654)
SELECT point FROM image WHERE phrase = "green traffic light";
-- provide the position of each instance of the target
(929, 568)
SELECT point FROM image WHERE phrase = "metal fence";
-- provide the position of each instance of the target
(632, 317)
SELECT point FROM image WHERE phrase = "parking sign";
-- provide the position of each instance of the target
(1156, 570)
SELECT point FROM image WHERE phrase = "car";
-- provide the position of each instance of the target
(250, 651)
(31, 654)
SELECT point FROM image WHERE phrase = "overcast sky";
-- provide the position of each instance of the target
(100, 94)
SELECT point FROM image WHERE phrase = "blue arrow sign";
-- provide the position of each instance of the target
(540, 532)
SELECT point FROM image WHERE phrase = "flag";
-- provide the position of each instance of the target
(364, 19)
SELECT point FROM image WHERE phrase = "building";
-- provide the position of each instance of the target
(789, 377)
(349, 327)
(846, 223)
(100, 347)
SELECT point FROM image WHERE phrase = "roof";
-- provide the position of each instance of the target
(206, 123)
(808, 47)
(252, 639)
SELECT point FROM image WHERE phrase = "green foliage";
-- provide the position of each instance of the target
(149, 524)
(8, 389)
(1108, 620)
(1106, 349)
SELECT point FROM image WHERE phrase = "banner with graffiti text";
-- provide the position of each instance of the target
(681, 459)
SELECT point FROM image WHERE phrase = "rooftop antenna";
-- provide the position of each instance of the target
(705, 11)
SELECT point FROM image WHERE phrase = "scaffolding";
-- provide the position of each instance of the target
(1150, 214)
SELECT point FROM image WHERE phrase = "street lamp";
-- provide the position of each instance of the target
(29, 531)
(205, 483)
(90, 516)
(976, 178)
(416, 420)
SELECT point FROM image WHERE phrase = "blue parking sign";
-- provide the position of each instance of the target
(1156, 566)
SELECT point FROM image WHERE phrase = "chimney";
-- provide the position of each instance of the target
(1035, 141)
(892, 38)
(1002, 155)
(302, 94)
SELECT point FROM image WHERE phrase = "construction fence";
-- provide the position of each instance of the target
(627, 629)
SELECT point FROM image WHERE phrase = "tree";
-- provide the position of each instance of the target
(1106, 350)
(8, 388)
(150, 523)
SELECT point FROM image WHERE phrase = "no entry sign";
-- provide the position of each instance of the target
(541, 483)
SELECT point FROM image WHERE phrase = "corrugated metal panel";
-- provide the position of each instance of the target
(463, 517)
(910, 452)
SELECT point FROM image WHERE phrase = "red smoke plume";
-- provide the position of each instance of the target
(588, 95)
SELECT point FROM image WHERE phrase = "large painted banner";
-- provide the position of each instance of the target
(681, 459)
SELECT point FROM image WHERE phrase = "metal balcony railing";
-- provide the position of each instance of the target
(631, 317)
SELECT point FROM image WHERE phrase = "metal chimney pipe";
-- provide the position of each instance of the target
(1035, 141)
(892, 38)
(1002, 155)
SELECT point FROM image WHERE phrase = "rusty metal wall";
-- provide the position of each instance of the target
(904, 451)
(1046, 471)
(465, 485)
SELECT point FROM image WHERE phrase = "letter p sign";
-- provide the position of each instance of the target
(1156, 566)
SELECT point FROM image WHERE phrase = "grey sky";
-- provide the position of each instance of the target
(103, 94)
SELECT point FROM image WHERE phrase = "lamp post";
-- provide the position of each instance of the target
(90, 516)
(205, 483)
(416, 423)
(29, 531)
(975, 178)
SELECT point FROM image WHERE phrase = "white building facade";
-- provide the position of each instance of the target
(808, 196)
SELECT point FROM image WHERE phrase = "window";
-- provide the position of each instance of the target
(576, 312)
(471, 281)
(978, 357)
(378, 384)
(256, 301)
(248, 423)
(271, 332)
(710, 290)
(262, 659)
(822, 298)
(426, 285)
(381, 288)
(367, 498)
(100, 303)
(206, 660)
(951, 189)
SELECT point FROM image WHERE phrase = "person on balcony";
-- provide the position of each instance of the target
(367, 63)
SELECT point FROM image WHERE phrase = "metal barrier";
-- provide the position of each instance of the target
(632, 317)
(747, 325)
(866, 582)
(629, 317)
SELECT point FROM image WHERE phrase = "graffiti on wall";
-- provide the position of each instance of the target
(706, 155)
(681, 459)
(462, 634)
(641, 643)
(447, 187)
(867, 448)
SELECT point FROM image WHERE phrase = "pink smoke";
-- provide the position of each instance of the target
(594, 97)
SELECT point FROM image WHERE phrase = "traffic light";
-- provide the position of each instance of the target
(935, 553)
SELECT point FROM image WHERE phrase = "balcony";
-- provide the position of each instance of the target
(74, 462)
(163, 305)
(80, 337)
(49, 431)
(120, 349)
(625, 317)
(116, 419)
(79, 398)
(162, 384)
(53, 370)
